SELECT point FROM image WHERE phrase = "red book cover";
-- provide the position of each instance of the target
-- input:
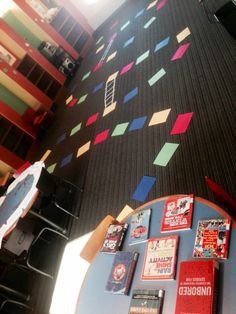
(114, 238)
(212, 239)
(178, 214)
(160, 258)
(198, 287)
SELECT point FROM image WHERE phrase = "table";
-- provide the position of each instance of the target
(19, 197)
(93, 299)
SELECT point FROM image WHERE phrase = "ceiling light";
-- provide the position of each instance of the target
(5, 7)
(90, 2)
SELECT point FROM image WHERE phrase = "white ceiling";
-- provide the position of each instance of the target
(99, 11)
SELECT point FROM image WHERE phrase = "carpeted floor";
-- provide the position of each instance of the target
(202, 82)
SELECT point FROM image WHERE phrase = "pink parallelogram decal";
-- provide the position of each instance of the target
(98, 66)
(92, 119)
(101, 137)
(113, 25)
(112, 37)
(127, 68)
(180, 52)
(161, 4)
(182, 123)
(73, 102)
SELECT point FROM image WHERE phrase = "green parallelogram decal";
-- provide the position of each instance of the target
(82, 99)
(165, 154)
(120, 129)
(156, 77)
(86, 76)
(51, 168)
(142, 57)
(76, 129)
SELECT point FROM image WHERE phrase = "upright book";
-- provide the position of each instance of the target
(139, 226)
(146, 301)
(197, 287)
(212, 238)
(122, 271)
(114, 238)
(160, 258)
(178, 214)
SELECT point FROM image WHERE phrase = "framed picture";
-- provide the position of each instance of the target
(7, 56)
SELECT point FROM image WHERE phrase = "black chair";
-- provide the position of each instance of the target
(15, 282)
(10, 306)
(39, 253)
(5, 180)
(20, 238)
(3, 190)
(227, 16)
(45, 252)
(59, 192)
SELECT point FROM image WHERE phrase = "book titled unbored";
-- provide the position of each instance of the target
(146, 301)
(198, 287)
(160, 258)
(122, 271)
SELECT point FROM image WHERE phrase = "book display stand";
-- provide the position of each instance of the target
(94, 299)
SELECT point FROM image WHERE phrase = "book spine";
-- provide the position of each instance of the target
(175, 256)
(148, 227)
(215, 290)
(227, 238)
(131, 272)
(122, 237)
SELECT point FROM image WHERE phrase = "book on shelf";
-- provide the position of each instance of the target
(212, 238)
(160, 258)
(197, 287)
(114, 237)
(139, 226)
(178, 214)
(145, 301)
(122, 271)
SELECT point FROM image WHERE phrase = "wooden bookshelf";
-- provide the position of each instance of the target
(47, 27)
(65, 24)
(39, 77)
(14, 139)
(22, 45)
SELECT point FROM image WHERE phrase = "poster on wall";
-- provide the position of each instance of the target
(6, 56)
